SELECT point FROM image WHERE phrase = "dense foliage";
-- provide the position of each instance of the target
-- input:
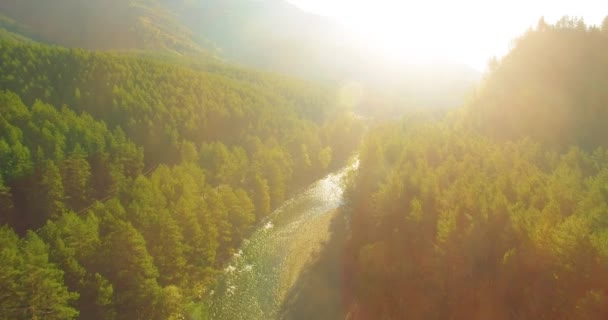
(550, 87)
(132, 180)
(499, 211)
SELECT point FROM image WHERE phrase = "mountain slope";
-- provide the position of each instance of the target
(108, 24)
(561, 100)
(141, 177)
(265, 34)
(498, 211)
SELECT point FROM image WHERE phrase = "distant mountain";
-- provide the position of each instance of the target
(270, 34)
(106, 24)
(266, 34)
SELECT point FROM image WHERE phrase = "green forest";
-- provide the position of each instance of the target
(499, 210)
(126, 182)
(131, 178)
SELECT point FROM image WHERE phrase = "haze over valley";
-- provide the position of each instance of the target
(303, 159)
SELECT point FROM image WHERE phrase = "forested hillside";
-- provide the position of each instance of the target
(272, 35)
(550, 87)
(126, 182)
(500, 210)
(107, 24)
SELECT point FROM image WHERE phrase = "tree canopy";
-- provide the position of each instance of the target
(499, 210)
(132, 179)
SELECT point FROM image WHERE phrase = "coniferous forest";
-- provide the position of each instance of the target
(130, 179)
(126, 182)
(498, 210)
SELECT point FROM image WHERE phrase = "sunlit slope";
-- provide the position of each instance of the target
(10, 29)
(276, 35)
(268, 34)
(271, 34)
(448, 224)
(498, 211)
(108, 24)
(551, 87)
(165, 100)
(129, 181)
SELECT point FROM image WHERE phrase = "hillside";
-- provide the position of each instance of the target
(498, 211)
(270, 34)
(126, 182)
(109, 24)
(550, 87)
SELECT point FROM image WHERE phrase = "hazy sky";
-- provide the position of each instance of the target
(469, 31)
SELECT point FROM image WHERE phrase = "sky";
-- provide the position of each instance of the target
(467, 31)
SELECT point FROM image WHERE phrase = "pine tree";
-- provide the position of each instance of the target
(33, 288)
(51, 193)
(131, 271)
(75, 175)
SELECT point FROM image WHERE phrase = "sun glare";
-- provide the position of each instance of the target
(468, 31)
(418, 31)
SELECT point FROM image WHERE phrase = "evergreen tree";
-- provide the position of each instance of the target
(131, 271)
(33, 287)
(76, 174)
(51, 196)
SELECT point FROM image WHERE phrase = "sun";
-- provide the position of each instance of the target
(392, 37)
(464, 31)
(413, 32)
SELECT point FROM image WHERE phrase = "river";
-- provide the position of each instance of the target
(261, 274)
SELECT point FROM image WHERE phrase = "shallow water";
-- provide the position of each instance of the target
(254, 285)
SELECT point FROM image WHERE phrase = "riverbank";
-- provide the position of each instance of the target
(304, 250)
(318, 291)
(267, 273)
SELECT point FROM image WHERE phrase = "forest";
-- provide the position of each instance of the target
(499, 210)
(127, 181)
